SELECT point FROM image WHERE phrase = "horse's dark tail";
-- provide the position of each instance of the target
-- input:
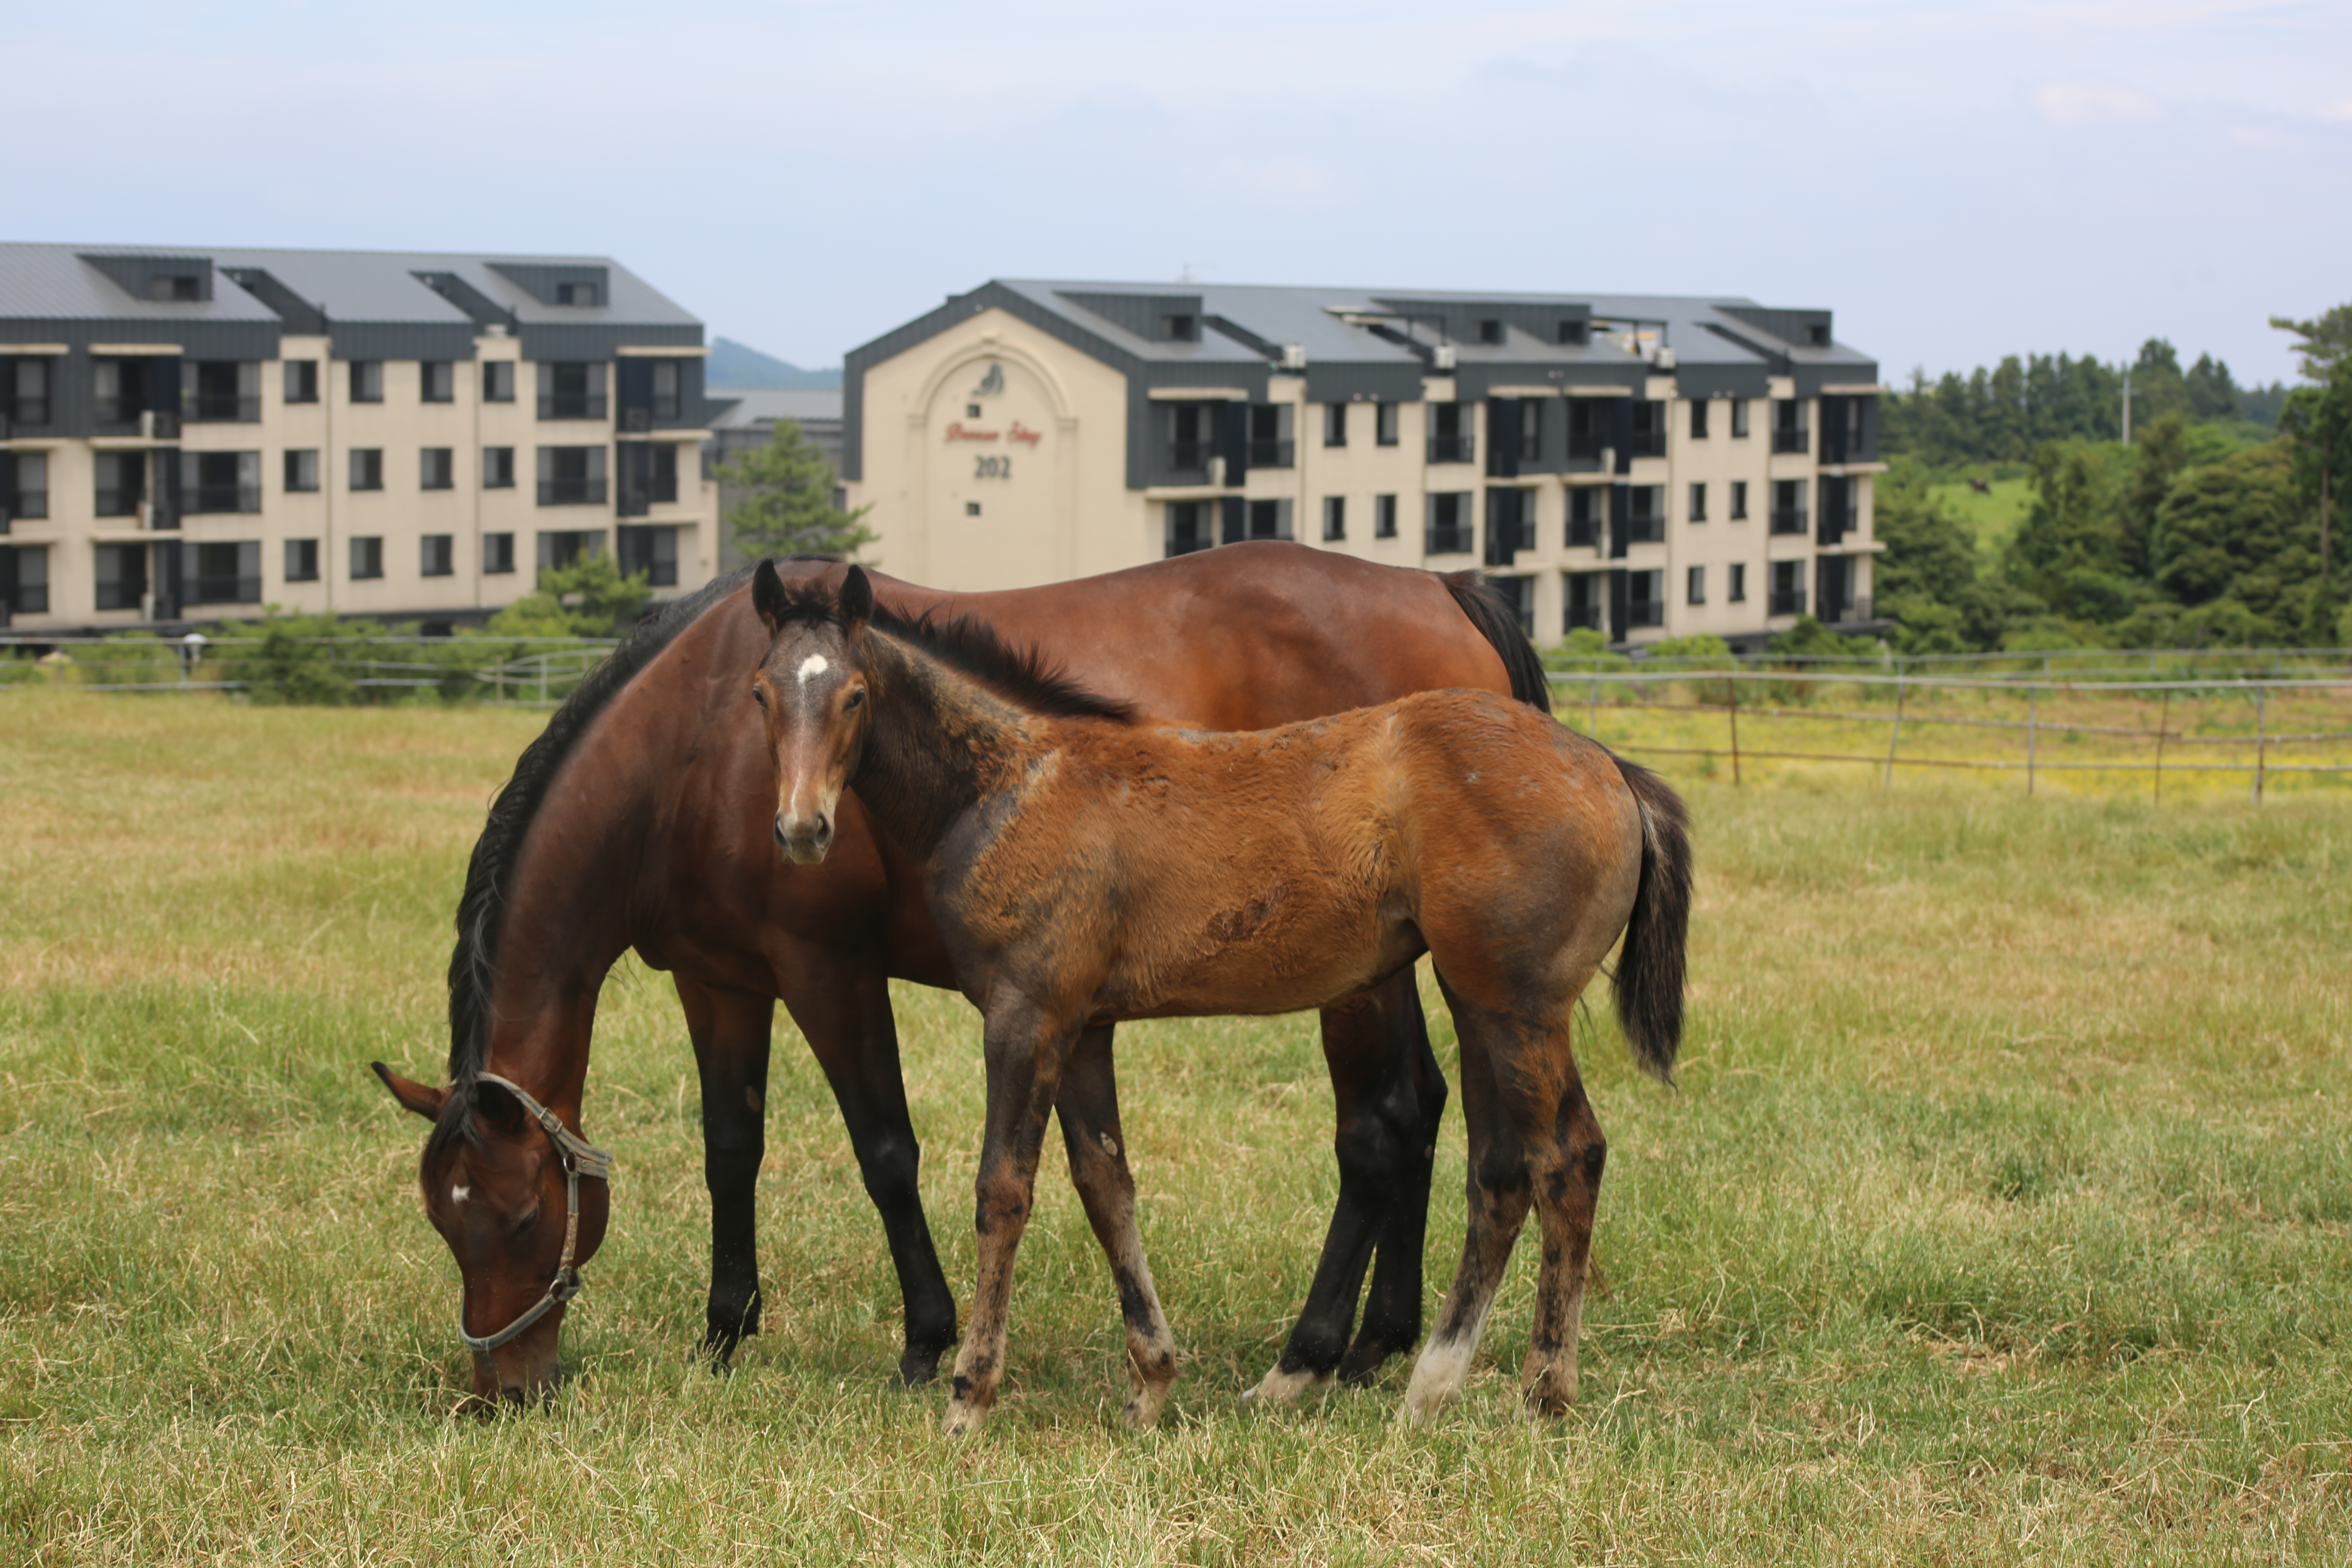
(1498, 623)
(1650, 969)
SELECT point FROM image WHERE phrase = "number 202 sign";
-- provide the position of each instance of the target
(991, 468)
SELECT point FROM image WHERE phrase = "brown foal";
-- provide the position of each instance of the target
(1084, 866)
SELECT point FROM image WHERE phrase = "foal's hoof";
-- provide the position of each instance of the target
(1141, 1411)
(963, 1419)
(1279, 1388)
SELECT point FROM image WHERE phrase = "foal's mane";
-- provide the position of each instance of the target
(1024, 677)
(481, 908)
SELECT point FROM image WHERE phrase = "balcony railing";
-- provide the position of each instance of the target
(1452, 449)
(1588, 443)
(571, 493)
(1580, 616)
(1646, 444)
(1786, 602)
(230, 590)
(1788, 520)
(117, 502)
(1798, 440)
(1269, 454)
(224, 407)
(573, 405)
(31, 411)
(23, 505)
(1645, 528)
(1645, 612)
(222, 498)
(1454, 541)
(1837, 522)
(1187, 456)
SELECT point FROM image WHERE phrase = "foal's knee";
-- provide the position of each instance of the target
(890, 1168)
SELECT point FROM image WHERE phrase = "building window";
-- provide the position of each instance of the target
(498, 380)
(565, 548)
(301, 561)
(1510, 524)
(497, 555)
(174, 287)
(1569, 332)
(1646, 598)
(436, 381)
(1695, 590)
(301, 381)
(1335, 424)
(572, 389)
(1698, 420)
(1788, 432)
(1188, 527)
(972, 509)
(1521, 592)
(664, 390)
(1735, 590)
(1698, 501)
(115, 390)
(1384, 517)
(650, 554)
(1384, 424)
(220, 481)
(1531, 417)
(1181, 327)
(367, 380)
(223, 573)
(1335, 514)
(570, 476)
(1190, 430)
(29, 392)
(1268, 520)
(25, 579)
(577, 294)
(367, 556)
(301, 470)
(1645, 514)
(1269, 436)
(1739, 419)
(1787, 506)
(1586, 601)
(121, 576)
(122, 483)
(1490, 331)
(1584, 503)
(498, 468)
(220, 391)
(1739, 501)
(1788, 597)
(648, 475)
(437, 469)
(1647, 437)
(438, 555)
(367, 468)
(1450, 528)
(1449, 440)
(25, 493)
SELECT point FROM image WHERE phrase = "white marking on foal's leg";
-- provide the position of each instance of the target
(813, 664)
(1438, 1377)
(1279, 1387)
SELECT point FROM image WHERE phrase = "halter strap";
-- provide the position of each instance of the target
(580, 1159)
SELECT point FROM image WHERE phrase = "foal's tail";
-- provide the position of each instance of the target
(1650, 969)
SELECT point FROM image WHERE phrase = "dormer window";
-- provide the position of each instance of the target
(174, 287)
(1571, 333)
(576, 294)
(1181, 329)
(1490, 331)
(1820, 335)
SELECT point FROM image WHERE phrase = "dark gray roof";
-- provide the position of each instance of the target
(741, 410)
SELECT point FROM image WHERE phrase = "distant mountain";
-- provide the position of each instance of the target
(734, 368)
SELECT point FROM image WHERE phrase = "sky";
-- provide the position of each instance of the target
(1956, 180)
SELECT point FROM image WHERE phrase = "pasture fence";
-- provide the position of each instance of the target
(270, 666)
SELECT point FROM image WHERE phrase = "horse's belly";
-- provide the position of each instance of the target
(1310, 969)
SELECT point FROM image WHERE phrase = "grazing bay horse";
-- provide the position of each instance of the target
(1084, 866)
(633, 822)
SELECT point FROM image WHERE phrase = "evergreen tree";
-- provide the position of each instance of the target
(2234, 532)
(789, 509)
(2327, 341)
(2162, 451)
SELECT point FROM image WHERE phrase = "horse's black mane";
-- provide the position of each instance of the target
(1022, 676)
(481, 910)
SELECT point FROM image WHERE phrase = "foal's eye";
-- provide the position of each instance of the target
(857, 698)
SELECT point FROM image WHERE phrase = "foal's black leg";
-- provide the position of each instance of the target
(842, 1004)
(1383, 1135)
(730, 1031)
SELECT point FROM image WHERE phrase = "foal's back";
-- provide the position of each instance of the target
(1274, 870)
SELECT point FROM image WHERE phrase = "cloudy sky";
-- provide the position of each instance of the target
(1956, 181)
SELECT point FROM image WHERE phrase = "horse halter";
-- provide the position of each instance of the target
(580, 1159)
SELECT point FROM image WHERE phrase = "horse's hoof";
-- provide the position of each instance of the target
(1279, 1388)
(917, 1366)
(963, 1419)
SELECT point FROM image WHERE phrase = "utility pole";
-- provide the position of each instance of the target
(2126, 405)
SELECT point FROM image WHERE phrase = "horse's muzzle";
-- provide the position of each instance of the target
(805, 840)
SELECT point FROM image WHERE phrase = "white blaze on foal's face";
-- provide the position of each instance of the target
(815, 664)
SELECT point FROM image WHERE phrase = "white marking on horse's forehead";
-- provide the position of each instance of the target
(815, 664)
(461, 1193)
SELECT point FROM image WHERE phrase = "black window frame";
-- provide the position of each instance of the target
(122, 498)
(432, 370)
(301, 561)
(366, 380)
(1450, 524)
(365, 557)
(444, 459)
(1187, 526)
(437, 555)
(1739, 421)
(499, 380)
(118, 589)
(364, 472)
(1695, 501)
(1334, 517)
(1695, 585)
(1735, 588)
(1738, 511)
(1384, 517)
(1335, 424)
(301, 379)
(498, 468)
(497, 555)
(1698, 418)
(1385, 425)
(291, 470)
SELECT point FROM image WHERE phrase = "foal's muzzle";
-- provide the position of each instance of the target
(805, 839)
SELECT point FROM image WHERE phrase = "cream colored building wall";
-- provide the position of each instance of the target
(402, 513)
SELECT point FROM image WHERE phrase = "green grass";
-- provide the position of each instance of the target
(2003, 1213)
(1992, 516)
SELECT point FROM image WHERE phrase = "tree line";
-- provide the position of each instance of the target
(2218, 524)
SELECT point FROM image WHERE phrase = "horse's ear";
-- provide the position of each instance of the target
(412, 1095)
(768, 595)
(856, 599)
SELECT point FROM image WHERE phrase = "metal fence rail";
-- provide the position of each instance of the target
(502, 671)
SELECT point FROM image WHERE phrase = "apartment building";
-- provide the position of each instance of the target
(194, 434)
(1650, 466)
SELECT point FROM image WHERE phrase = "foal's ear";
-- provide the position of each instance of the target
(856, 599)
(412, 1095)
(768, 595)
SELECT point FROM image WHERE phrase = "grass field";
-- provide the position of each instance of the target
(1992, 516)
(2004, 1213)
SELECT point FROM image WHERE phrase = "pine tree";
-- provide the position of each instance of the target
(790, 510)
